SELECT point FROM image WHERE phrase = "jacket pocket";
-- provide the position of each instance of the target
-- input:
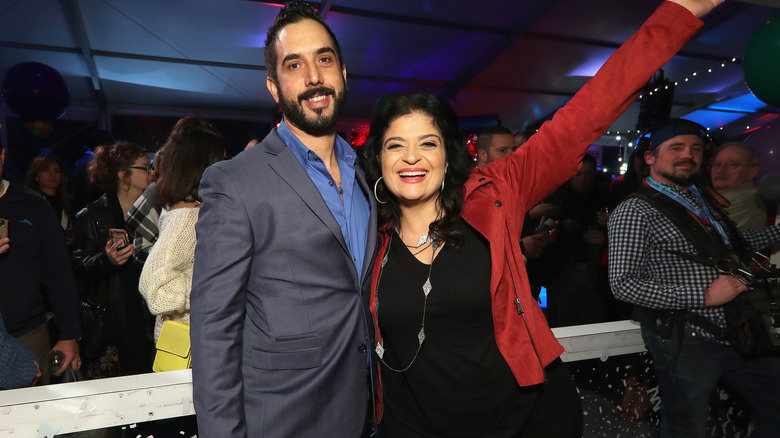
(289, 353)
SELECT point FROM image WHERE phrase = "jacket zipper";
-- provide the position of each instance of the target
(521, 312)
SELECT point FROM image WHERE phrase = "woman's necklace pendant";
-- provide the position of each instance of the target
(380, 350)
(427, 287)
(421, 241)
(421, 336)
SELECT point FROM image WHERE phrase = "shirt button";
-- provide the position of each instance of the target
(481, 179)
(362, 348)
(498, 203)
(330, 183)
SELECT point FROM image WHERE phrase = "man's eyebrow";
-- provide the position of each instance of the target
(326, 50)
(320, 51)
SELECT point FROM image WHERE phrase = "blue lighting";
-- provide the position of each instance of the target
(713, 119)
(543, 297)
(747, 103)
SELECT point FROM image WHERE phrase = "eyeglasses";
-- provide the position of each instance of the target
(148, 169)
(731, 165)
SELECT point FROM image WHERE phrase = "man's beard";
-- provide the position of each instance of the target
(683, 180)
(320, 124)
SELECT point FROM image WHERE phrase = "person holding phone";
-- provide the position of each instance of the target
(100, 260)
(35, 268)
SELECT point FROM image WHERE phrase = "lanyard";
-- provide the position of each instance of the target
(704, 214)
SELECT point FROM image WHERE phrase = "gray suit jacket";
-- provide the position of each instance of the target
(280, 322)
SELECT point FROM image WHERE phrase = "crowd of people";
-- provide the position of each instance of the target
(391, 291)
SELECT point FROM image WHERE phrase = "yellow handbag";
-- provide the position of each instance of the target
(173, 347)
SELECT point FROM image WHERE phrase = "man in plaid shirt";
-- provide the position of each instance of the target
(689, 361)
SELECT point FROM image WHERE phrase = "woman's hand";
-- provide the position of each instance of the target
(4, 245)
(698, 8)
(118, 256)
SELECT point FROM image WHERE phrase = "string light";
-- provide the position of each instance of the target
(688, 78)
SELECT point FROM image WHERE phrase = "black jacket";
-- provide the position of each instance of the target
(37, 257)
(103, 283)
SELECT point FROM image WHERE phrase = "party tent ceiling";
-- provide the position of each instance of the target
(516, 61)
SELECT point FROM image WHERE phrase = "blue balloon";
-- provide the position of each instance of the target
(35, 91)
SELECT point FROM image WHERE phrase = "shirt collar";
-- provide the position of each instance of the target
(344, 151)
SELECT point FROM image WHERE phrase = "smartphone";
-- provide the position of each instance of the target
(3, 228)
(119, 235)
(549, 225)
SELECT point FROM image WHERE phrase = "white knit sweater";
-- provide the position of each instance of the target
(166, 280)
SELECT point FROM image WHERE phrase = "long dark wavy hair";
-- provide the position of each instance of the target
(458, 160)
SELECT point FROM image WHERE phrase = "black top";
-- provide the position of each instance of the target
(55, 203)
(459, 385)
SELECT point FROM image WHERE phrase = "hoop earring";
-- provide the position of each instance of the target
(442, 185)
(375, 196)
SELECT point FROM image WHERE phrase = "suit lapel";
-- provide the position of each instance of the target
(289, 169)
(371, 235)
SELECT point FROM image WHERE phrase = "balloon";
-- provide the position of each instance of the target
(761, 63)
(35, 91)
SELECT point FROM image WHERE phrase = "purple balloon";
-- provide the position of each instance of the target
(35, 91)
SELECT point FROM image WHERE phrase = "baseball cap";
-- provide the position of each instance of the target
(674, 127)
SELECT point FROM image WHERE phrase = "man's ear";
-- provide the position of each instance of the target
(344, 74)
(482, 155)
(649, 158)
(272, 88)
(753, 172)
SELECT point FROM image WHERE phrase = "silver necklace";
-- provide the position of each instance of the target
(420, 242)
(426, 288)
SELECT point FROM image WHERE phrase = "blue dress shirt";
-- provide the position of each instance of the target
(350, 208)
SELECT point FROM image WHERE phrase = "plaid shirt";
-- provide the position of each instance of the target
(142, 220)
(642, 272)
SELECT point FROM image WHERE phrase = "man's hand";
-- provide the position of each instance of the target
(542, 210)
(723, 290)
(535, 244)
(72, 356)
(4, 244)
(698, 8)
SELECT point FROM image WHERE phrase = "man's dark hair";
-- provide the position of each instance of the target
(485, 137)
(291, 13)
(589, 159)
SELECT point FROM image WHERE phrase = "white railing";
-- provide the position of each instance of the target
(46, 411)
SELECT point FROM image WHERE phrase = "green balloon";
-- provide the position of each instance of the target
(761, 63)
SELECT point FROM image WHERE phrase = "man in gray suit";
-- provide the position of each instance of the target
(286, 237)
